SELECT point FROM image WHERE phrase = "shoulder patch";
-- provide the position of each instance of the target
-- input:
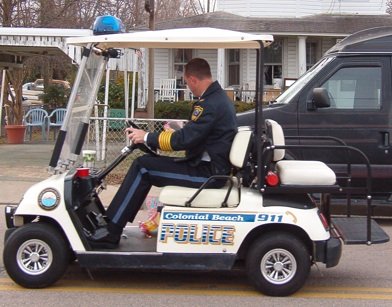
(197, 111)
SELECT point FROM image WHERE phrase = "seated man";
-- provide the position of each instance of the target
(206, 138)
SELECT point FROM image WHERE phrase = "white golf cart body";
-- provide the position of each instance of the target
(257, 228)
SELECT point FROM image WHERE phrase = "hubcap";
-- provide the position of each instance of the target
(278, 266)
(34, 257)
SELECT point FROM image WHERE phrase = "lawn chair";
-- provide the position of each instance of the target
(248, 91)
(55, 120)
(35, 118)
(167, 90)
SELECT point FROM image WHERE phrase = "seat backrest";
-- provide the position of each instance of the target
(35, 116)
(275, 133)
(240, 147)
(58, 115)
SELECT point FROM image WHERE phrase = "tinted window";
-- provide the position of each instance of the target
(355, 88)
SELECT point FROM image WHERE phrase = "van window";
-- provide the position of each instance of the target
(298, 85)
(355, 88)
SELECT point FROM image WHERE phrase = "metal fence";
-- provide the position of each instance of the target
(107, 136)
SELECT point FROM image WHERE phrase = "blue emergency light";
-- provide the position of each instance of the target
(107, 24)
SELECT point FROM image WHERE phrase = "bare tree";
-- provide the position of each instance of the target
(389, 7)
(81, 14)
(201, 7)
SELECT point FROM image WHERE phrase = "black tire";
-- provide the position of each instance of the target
(278, 264)
(36, 255)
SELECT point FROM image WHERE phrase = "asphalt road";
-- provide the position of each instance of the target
(362, 278)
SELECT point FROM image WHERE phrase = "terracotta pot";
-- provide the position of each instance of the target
(15, 134)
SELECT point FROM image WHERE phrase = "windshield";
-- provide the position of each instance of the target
(80, 104)
(288, 95)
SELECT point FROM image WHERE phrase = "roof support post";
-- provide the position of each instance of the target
(259, 119)
(220, 69)
(2, 98)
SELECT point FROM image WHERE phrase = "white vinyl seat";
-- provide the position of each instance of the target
(297, 172)
(213, 198)
(207, 198)
(305, 173)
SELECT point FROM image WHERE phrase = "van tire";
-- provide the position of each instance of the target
(278, 264)
(36, 255)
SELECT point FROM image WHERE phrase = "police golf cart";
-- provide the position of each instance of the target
(272, 216)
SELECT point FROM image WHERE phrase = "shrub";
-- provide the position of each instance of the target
(175, 110)
(116, 95)
(241, 106)
(182, 109)
(116, 91)
(55, 96)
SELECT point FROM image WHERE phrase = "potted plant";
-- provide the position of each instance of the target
(15, 128)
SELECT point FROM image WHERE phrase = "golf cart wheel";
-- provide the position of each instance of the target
(36, 255)
(278, 264)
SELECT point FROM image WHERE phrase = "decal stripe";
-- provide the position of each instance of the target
(209, 216)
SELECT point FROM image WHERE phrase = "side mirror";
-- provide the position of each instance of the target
(320, 99)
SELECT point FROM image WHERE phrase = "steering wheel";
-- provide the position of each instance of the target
(142, 147)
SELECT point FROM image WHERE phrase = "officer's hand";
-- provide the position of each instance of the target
(136, 135)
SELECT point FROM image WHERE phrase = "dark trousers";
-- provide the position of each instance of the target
(149, 170)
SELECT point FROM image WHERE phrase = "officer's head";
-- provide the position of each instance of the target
(198, 76)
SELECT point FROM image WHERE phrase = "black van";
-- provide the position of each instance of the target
(348, 95)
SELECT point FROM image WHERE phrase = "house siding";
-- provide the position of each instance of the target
(292, 58)
(210, 55)
(365, 7)
(161, 66)
(322, 22)
(298, 8)
(248, 67)
(164, 61)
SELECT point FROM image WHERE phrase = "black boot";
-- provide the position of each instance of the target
(106, 237)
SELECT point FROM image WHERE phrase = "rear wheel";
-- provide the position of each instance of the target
(36, 255)
(278, 265)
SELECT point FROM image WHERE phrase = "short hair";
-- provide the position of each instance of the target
(198, 68)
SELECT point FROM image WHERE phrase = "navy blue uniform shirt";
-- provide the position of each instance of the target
(211, 128)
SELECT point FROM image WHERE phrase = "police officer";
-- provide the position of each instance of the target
(206, 139)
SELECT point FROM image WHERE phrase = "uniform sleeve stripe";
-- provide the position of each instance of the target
(164, 140)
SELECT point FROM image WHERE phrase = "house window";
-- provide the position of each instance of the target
(273, 62)
(311, 54)
(181, 57)
(234, 66)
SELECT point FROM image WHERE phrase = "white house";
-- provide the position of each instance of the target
(301, 8)
(303, 31)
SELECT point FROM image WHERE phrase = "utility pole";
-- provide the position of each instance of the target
(149, 6)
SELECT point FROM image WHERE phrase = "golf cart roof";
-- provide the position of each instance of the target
(192, 38)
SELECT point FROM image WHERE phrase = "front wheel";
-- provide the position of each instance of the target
(278, 264)
(36, 255)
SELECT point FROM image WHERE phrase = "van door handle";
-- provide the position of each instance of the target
(385, 139)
